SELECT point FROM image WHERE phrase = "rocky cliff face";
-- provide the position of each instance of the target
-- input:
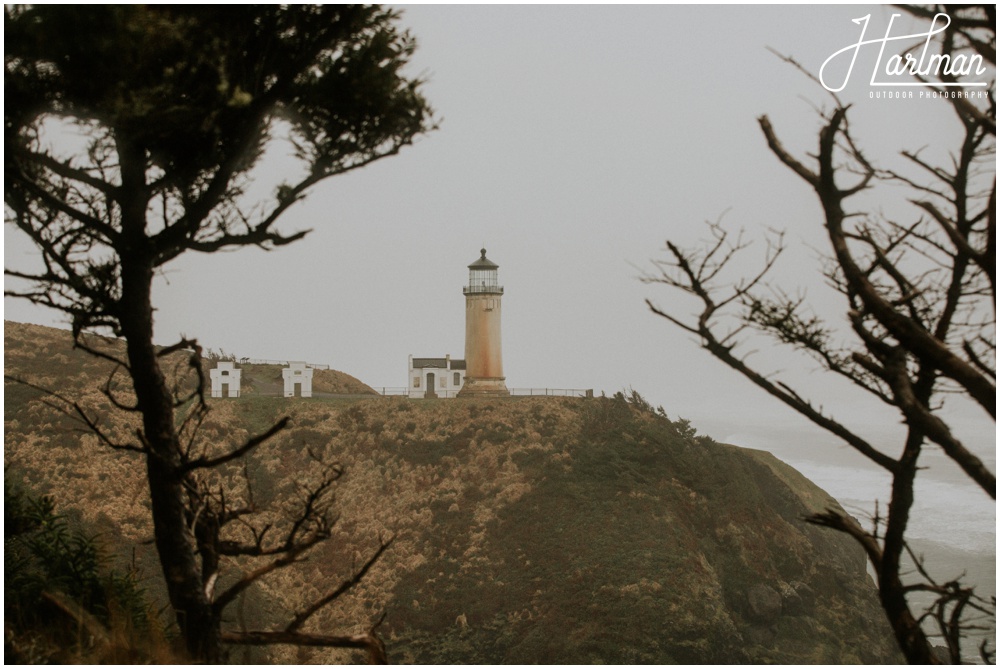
(617, 540)
(527, 530)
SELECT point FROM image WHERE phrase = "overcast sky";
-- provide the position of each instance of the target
(573, 142)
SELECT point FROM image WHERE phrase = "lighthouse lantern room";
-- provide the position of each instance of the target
(483, 277)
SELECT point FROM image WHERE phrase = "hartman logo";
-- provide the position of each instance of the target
(902, 67)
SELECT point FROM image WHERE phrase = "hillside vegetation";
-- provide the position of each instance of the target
(552, 530)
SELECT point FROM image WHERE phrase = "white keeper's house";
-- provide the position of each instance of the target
(435, 377)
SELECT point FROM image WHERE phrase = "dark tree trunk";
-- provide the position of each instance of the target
(151, 186)
(914, 644)
(174, 539)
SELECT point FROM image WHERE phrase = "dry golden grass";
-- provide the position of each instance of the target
(526, 530)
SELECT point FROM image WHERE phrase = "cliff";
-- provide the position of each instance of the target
(527, 530)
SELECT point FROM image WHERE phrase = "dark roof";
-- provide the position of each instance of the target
(483, 262)
(437, 363)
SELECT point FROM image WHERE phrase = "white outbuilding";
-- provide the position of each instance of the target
(225, 379)
(297, 374)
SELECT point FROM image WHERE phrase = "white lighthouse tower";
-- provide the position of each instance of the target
(483, 359)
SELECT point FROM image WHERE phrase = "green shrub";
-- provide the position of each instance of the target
(61, 601)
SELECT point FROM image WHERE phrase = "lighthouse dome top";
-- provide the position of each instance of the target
(483, 277)
(483, 262)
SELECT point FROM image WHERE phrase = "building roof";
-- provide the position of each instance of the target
(437, 363)
(483, 262)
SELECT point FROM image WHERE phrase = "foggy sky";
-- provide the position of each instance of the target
(573, 141)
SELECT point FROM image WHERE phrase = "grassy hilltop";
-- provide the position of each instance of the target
(552, 530)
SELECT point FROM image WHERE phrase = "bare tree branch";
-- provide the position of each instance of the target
(920, 298)
(301, 618)
(78, 413)
(250, 444)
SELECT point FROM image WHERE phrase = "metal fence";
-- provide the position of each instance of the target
(261, 361)
(398, 391)
(519, 392)
(553, 392)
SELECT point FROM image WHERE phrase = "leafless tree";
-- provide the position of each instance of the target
(919, 298)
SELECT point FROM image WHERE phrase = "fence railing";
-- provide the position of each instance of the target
(444, 394)
(401, 391)
(262, 361)
(520, 392)
(484, 290)
(553, 392)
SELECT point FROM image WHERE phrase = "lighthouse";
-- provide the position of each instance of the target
(483, 359)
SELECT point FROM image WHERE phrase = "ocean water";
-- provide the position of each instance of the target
(949, 512)
(949, 509)
(953, 522)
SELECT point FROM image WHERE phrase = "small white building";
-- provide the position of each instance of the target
(297, 374)
(225, 379)
(435, 377)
